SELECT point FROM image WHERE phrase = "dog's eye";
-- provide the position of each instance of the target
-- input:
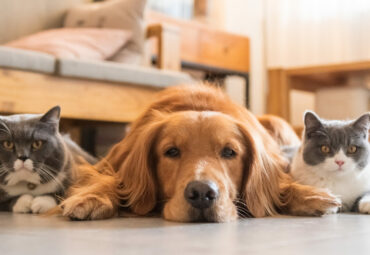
(228, 153)
(172, 152)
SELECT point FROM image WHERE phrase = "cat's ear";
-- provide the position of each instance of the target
(362, 123)
(52, 116)
(312, 122)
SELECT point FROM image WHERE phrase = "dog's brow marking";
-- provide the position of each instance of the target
(207, 114)
(199, 169)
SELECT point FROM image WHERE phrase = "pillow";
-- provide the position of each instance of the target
(122, 14)
(81, 43)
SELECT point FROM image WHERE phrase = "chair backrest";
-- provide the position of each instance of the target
(22, 17)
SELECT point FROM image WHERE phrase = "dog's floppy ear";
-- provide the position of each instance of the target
(133, 160)
(280, 130)
(261, 191)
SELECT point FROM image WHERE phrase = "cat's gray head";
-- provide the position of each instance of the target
(30, 148)
(336, 147)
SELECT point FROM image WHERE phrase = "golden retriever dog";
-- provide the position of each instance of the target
(280, 130)
(193, 155)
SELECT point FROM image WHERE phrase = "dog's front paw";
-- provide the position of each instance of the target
(323, 202)
(43, 204)
(311, 201)
(23, 204)
(364, 204)
(87, 207)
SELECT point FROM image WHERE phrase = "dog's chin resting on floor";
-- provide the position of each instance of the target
(198, 157)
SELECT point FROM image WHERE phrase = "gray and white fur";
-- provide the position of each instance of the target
(36, 161)
(335, 155)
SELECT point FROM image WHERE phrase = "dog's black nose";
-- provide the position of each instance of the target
(201, 194)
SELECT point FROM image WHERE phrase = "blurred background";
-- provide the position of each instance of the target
(288, 34)
(273, 56)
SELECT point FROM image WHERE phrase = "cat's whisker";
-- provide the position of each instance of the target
(50, 169)
(43, 174)
(50, 173)
(3, 170)
(5, 128)
(46, 170)
(50, 178)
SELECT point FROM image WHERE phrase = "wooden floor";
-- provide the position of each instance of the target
(333, 234)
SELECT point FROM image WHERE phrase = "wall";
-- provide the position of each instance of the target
(317, 32)
(246, 17)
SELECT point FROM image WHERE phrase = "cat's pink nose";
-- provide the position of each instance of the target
(339, 162)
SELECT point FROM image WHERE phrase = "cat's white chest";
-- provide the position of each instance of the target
(348, 187)
(23, 187)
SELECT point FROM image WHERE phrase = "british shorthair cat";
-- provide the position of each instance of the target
(35, 161)
(335, 155)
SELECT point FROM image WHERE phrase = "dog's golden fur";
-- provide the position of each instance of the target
(280, 130)
(200, 121)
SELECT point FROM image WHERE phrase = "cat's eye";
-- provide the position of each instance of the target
(36, 145)
(325, 149)
(8, 145)
(352, 149)
(172, 152)
(228, 153)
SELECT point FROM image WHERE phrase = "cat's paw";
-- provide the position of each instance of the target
(23, 204)
(364, 205)
(333, 210)
(42, 204)
(87, 207)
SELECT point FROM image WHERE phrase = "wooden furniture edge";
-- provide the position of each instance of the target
(167, 45)
(198, 44)
(309, 78)
(278, 102)
(30, 92)
(329, 68)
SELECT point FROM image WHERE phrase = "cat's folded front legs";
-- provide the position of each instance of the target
(39, 204)
(23, 204)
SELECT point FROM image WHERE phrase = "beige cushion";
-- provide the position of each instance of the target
(122, 14)
(23, 17)
(117, 72)
(27, 60)
(81, 43)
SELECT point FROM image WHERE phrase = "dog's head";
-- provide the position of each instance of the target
(197, 166)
